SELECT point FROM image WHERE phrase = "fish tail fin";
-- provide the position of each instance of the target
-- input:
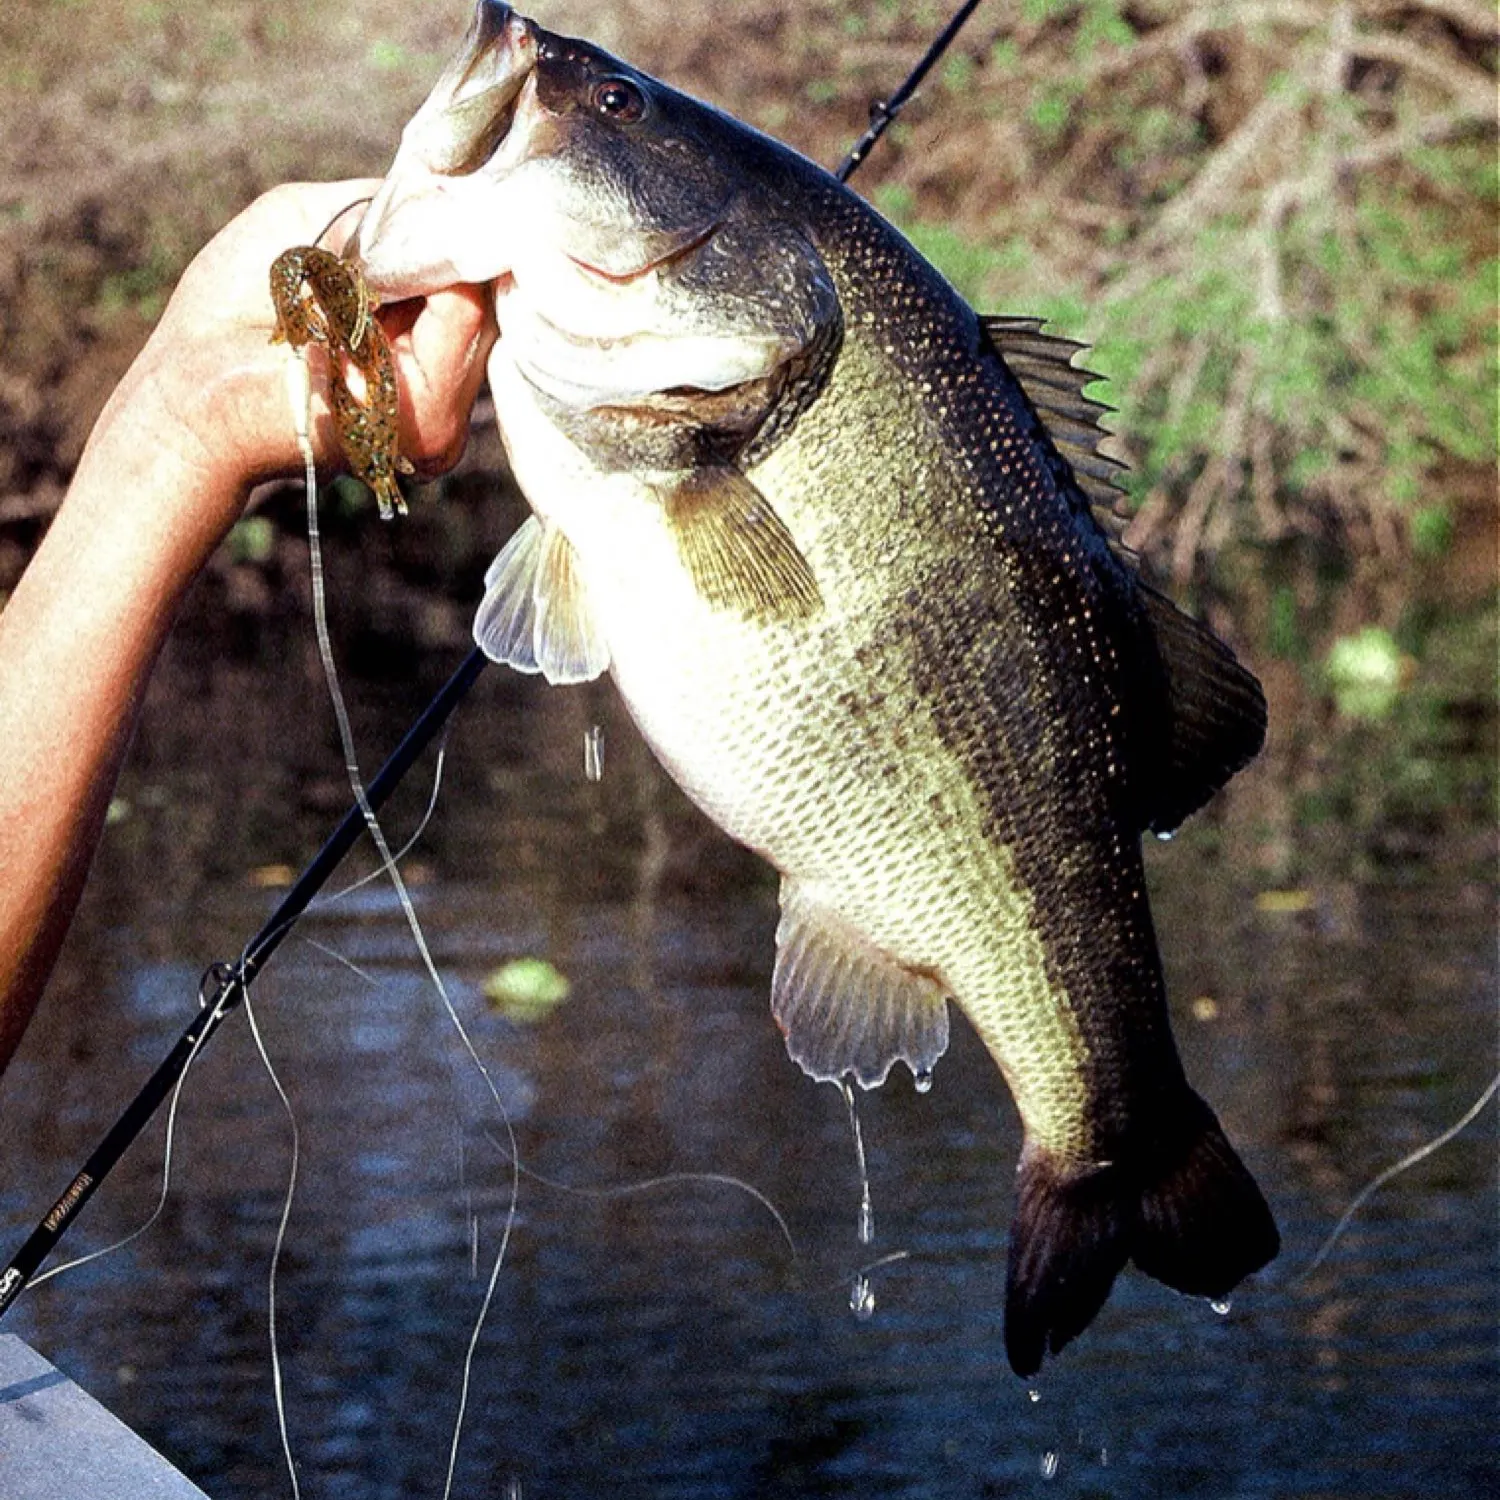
(1069, 1239)
(1183, 1207)
(1203, 1225)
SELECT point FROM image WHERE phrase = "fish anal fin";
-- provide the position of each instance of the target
(1175, 1199)
(846, 1008)
(535, 614)
(736, 548)
(1215, 717)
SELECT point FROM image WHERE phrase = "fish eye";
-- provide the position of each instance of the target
(618, 99)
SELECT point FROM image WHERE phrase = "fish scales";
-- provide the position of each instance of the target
(989, 685)
(788, 491)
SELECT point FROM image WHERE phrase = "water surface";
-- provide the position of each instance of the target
(668, 1343)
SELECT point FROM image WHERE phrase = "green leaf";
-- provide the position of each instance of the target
(1365, 672)
(252, 540)
(526, 990)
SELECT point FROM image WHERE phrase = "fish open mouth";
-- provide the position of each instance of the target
(483, 90)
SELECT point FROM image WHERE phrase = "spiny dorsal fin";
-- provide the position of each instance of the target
(735, 547)
(847, 1009)
(1043, 364)
(535, 615)
(1215, 717)
(1212, 715)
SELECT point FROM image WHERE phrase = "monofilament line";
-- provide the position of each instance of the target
(166, 1175)
(300, 390)
(1396, 1168)
(286, 1214)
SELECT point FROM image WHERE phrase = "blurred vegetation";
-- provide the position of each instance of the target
(1275, 220)
(1277, 223)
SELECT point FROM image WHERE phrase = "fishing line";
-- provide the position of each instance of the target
(166, 1172)
(300, 395)
(322, 234)
(1394, 1170)
(322, 903)
(286, 1214)
(664, 1179)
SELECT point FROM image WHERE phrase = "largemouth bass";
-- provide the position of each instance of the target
(831, 532)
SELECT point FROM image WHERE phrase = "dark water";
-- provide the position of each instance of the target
(667, 1342)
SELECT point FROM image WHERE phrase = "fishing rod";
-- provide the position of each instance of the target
(225, 985)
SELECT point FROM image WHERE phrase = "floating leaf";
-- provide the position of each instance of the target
(526, 990)
(1281, 902)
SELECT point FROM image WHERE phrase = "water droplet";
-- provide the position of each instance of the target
(593, 752)
(1049, 1464)
(866, 1223)
(1221, 1306)
(1166, 835)
(922, 1078)
(862, 1298)
(1035, 1394)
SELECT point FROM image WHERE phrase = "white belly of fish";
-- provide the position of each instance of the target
(754, 721)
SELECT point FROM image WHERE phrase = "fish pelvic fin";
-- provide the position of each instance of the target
(535, 613)
(1181, 1205)
(847, 1009)
(736, 549)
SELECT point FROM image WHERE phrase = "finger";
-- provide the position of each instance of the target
(440, 351)
(229, 278)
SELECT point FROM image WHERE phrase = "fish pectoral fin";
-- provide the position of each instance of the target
(736, 549)
(535, 613)
(1215, 722)
(845, 1007)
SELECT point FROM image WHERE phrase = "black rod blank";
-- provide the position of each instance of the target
(225, 985)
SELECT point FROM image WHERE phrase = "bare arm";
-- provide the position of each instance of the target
(199, 419)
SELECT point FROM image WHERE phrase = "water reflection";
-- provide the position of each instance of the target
(667, 1343)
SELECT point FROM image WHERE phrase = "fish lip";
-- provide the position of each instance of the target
(695, 240)
(465, 120)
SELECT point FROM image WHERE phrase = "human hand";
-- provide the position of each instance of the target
(210, 387)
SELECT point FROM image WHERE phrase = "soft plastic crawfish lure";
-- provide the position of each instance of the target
(322, 298)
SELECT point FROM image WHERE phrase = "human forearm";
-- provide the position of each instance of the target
(78, 640)
(201, 417)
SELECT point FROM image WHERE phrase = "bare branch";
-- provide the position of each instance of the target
(1474, 90)
(1477, 20)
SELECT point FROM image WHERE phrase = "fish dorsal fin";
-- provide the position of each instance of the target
(1215, 719)
(736, 548)
(535, 614)
(1214, 710)
(1043, 364)
(845, 1008)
